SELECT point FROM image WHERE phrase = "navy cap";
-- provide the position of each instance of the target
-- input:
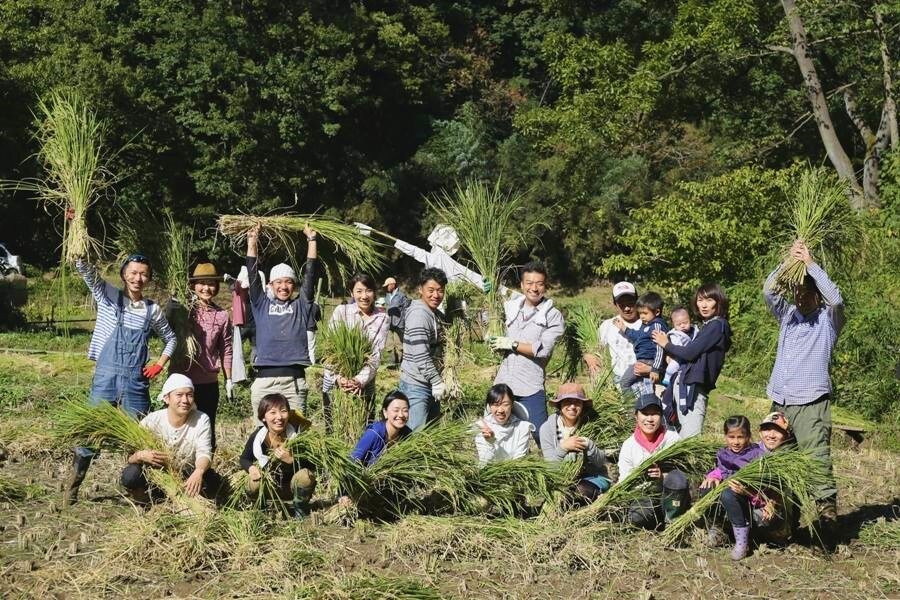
(647, 400)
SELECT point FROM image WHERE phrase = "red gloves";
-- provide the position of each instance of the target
(152, 371)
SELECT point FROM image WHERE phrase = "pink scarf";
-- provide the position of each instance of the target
(650, 446)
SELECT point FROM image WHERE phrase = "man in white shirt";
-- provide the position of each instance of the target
(185, 433)
(621, 352)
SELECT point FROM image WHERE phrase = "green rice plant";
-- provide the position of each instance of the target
(492, 225)
(175, 271)
(343, 348)
(881, 533)
(692, 456)
(267, 495)
(511, 486)
(72, 154)
(12, 490)
(105, 426)
(821, 218)
(281, 231)
(791, 475)
(581, 337)
(330, 456)
(454, 356)
(433, 463)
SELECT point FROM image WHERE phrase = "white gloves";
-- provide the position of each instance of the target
(229, 389)
(439, 391)
(502, 343)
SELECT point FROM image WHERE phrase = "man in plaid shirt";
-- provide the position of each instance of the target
(800, 385)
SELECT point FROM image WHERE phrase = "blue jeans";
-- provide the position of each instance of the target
(735, 506)
(536, 405)
(423, 408)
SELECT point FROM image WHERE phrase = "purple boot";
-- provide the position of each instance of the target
(741, 542)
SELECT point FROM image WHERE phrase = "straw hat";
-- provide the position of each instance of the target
(570, 390)
(205, 271)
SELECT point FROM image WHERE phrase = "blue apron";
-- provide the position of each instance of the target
(118, 376)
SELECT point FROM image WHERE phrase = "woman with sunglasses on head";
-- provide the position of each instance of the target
(119, 346)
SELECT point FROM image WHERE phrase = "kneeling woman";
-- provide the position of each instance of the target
(381, 434)
(186, 434)
(559, 442)
(505, 430)
(266, 450)
(650, 435)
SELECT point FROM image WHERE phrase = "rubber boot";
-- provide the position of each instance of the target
(80, 465)
(741, 543)
(303, 484)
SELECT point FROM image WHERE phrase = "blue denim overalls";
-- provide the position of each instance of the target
(118, 376)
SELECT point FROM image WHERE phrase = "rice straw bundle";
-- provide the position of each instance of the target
(105, 426)
(492, 226)
(282, 230)
(330, 456)
(345, 349)
(821, 218)
(268, 491)
(453, 361)
(792, 475)
(434, 461)
(693, 456)
(367, 586)
(175, 273)
(581, 337)
(511, 486)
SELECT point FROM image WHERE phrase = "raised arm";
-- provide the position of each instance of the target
(311, 271)
(102, 292)
(256, 287)
(776, 304)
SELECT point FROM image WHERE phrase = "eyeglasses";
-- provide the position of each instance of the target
(138, 258)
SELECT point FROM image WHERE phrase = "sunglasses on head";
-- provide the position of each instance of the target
(138, 258)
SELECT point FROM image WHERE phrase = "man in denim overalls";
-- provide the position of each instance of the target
(119, 346)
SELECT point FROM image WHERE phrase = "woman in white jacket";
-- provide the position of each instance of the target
(504, 431)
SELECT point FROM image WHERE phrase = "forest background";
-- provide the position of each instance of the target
(659, 140)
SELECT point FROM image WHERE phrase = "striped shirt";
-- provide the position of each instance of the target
(423, 348)
(376, 328)
(805, 343)
(107, 299)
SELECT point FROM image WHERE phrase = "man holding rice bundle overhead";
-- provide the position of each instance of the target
(119, 346)
(533, 325)
(282, 320)
(800, 385)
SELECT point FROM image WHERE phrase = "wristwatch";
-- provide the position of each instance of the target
(515, 347)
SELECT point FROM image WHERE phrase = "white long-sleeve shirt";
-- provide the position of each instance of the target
(187, 443)
(375, 326)
(632, 454)
(510, 439)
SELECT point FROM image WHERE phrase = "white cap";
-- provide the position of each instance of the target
(623, 288)
(176, 381)
(282, 271)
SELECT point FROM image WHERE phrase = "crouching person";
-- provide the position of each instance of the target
(560, 442)
(266, 450)
(186, 433)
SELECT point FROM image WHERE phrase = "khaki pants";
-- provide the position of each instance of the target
(812, 428)
(292, 388)
(301, 485)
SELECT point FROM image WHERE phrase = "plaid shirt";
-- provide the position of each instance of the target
(800, 375)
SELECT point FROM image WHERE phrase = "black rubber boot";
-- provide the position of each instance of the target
(80, 465)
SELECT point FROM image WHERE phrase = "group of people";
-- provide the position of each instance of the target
(671, 373)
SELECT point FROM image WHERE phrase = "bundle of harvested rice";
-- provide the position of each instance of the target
(105, 426)
(512, 486)
(492, 226)
(362, 251)
(345, 349)
(454, 353)
(367, 586)
(73, 157)
(693, 456)
(792, 476)
(331, 457)
(822, 219)
(175, 272)
(430, 468)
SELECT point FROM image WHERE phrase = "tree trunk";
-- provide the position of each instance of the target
(816, 95)
(890, 106)
(876, 144)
